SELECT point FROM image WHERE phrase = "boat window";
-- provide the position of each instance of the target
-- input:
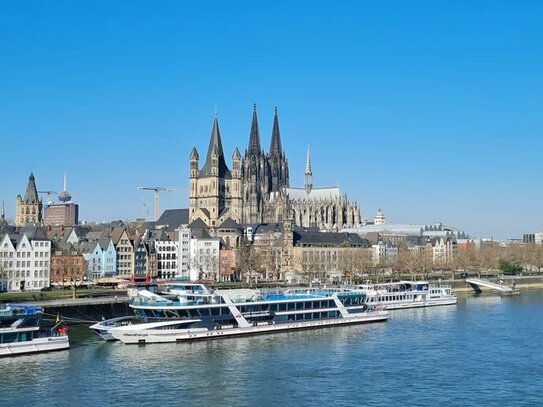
(282, 307)
(215, 311)
(291, 305)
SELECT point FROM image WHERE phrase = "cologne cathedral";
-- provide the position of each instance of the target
(256, 190)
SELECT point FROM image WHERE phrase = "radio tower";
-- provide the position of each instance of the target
(64, 196)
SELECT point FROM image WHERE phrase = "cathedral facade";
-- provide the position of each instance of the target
(257, 188)
(262, 173)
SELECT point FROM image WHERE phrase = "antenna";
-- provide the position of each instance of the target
(64, 196)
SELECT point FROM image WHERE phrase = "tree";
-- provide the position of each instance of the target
(405, 261)
(68, 268)
(354, 263)
(3, 275)
(536, 256)
(248, 262)
(309, 265)
(509, 268)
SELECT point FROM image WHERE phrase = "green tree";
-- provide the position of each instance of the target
(509, 268)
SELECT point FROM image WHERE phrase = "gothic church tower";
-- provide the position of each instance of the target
(262, 173)
(215, 191)
(28, 210)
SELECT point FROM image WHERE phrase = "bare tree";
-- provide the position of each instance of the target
(536, 256)
(271, 260)
(310, 265)
(3, 275)
(248, 262)
(68, 269)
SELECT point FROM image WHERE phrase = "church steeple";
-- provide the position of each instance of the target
(254, 138)
(308, 173)
(215, 152)
(31, 194)
(275, 147)
(3, 222)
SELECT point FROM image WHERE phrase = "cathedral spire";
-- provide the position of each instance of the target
(254, 138)
(308, 173)
(275, 147)
(31, 194)
(215, 148)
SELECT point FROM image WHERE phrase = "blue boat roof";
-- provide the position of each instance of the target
(18, 309)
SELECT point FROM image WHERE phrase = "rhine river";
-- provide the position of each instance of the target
(486, 351)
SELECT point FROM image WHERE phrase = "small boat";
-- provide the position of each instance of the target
(21, 331)
(225, 313)
(408, 294)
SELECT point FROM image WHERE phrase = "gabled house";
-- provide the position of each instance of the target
(125, 252)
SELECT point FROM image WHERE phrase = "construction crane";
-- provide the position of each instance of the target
(49, 193)
(157, 192)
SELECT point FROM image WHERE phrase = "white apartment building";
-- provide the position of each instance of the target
(25, 262)
(383, 254)
(204, 258)
(183, 253)
(167, 256)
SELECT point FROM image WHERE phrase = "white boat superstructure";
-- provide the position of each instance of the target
(226, 313)
(20, 332)
(408, 294)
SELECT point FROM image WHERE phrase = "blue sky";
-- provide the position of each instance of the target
(431, 110)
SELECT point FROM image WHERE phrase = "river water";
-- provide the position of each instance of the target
(486, 351)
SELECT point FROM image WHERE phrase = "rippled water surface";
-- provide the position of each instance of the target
(486, 351)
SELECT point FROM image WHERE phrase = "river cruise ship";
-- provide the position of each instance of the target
(21, 332)
(408, 294)
(209, 314)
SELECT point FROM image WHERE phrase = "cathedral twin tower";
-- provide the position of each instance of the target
(218, 194)
(256, 189)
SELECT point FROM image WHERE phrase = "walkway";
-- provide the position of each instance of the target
(477, 283)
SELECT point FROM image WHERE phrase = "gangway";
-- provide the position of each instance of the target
(505, 289)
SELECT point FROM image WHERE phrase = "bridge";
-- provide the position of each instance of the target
(505, 289)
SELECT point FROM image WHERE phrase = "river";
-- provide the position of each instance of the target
(486, 351)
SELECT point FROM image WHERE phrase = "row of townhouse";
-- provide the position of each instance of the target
(25, 256)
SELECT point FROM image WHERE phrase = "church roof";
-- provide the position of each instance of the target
(315, 194)
(215, 146)
(308, 239)
(173, 218)
(31, 194)
(197, 224)
(229, 223)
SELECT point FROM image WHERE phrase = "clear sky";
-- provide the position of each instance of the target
(430, 109)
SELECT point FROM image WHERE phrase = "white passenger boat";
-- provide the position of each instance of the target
(102, 328)
(226, 313)
(408, 294)
(20, 331)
